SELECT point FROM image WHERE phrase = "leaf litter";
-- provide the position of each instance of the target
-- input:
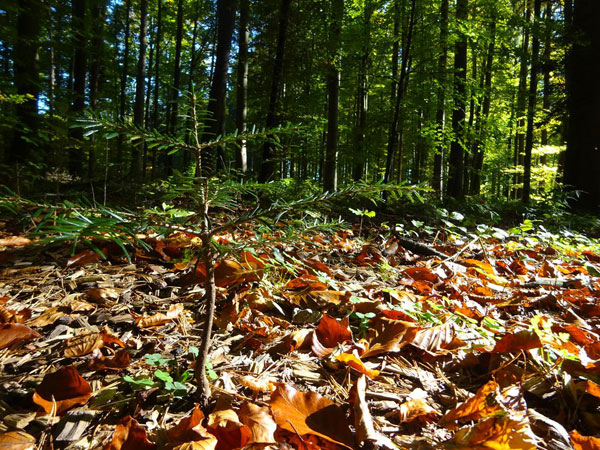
(334, 342)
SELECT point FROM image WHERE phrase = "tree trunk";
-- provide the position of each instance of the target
(241, 157)
(440, 115)
(79, 78)
(26, 78)
(333, 98)
(535, 50)
(218, 89)
(400, 91)
(521, 104)
(138, 111)
(124, 75)
(456, 161)
(155, 107)
(267, 168)
(547, 67)
(583, 103)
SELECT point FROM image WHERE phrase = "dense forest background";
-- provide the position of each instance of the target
(498, 99)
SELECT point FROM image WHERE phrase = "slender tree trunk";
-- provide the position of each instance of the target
(147, 99)
(521, 104)
(583, 103)
(535, 50)
(474, 110)
(191, 86)
(124, 75)
(267, 168)
(79, 78)
(138, 111)
(26, 79)
(547, 67)
(218, 89)
(330, 169)
(242, 86)
(440, 115)
(455, 174)
(400, 91)
(155, 106)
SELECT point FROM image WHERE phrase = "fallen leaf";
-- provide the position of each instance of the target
(84, 258)
(262, 384)
(389, 335)
(209, 443)
(225, 425)
(437, 339)
(49, 316)
(61, 390)
(421, 274)
(416, 408)
(474, 408)
(332, 332)
(522, 340)
(130, 435)
(103, 295)
(13, 333)
(363, 421)
(83, 344)
(260, 422)
(355, 362)
(584, 442)
(189, 428)
(17, 440)
(500, 432)
(118, 362)
(158, 319)
(310, 413)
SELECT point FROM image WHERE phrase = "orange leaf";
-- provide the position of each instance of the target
(14, 241)
(331, 332)
(501, 432)
(84, 258)
(584, 442)
(83, 344)
(117, 362)
(13, 333)
(310, 413)
(355, 362)
(189, 428)
(416, 408)
(474, 408)
(389, 336)
(522, 340)
(16, 440)
(421, 274)
(61, 390)
(130, 435)
(158, 319)
(225, 425)
(257, 384)
(437, 339)
(260, 421)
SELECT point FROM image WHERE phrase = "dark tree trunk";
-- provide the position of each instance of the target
(218, 89)
(456, 160)
(333, 98)
(583, 103)
(440, 115)
(267, 168)
(26, 77)
(124, 75)
(140, 80)
(79, 78)
(521, 104)
(362, 97)
(399, 96)
(547, 71)
(155, 106)
(533, 85)
(241, 157)
(191, 87)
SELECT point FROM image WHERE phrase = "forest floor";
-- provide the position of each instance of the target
(339, 340)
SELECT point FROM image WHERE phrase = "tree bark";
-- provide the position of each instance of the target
(26, 79)
(267, 168)
(218, 89)
(138, 111)
(241, 159)
(98, 15)
(155, 106)
(440, 115)
(456, 161)
(124, 75)
(535, 50)
(583, 103)
(330, 174)
(521, 104)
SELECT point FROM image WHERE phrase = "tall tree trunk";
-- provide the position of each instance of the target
(547, 67)
(173, 106)
(521, 105)
(267, 168)
(79, 78)
(124, 75)
(241, 156)
(140, 80)
(362, 97)
(155, 106)
(482, 122)
(191, 86)
(456, 160)
(440, 115)
(98, 14)
(147, 98)
(399, 96)
(583, 103)
(533, 85)
(26, 78)
(333, 97)
(218, 89)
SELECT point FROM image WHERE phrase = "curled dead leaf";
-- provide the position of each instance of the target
(354, 361)
(584, 442)
(13, 333)
(118, 362)
(158, 319)
(260, 422)
(262, 384)
(189, 429)
(225, 425)
(17, 440)
(389, 336)
(522, 340)
(502, 432)
(330, 333)
(130, 435)
(61, 390)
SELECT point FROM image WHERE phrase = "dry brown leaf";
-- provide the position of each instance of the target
(118, 362)
(354, 361)
(438, 339)
(416, 408)
(14, 241)
(189, 428)
(13, 333)
(17, 440)
(209, 443)
(260, 422)
(502, 433)
(363, 421)
(84, 258)
(83, 344)
(474, 408)
(262, 384)
(584, 442)
(522, 340)
(225, 425)
(103, 296)
(310, 413)
(49, 316)
(129, 435)
(61, 390)
(160, 318)
(331, 332)
(389, 335)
